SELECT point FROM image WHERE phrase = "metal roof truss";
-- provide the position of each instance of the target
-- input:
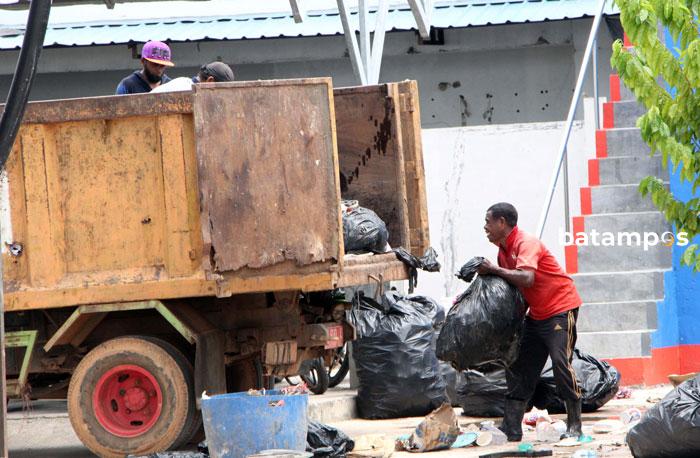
(367, 57)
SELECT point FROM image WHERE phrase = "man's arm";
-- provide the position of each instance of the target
(524, 278)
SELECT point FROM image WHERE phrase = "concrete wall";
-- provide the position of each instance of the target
(678, 333)
(486, 75)
(469, 168)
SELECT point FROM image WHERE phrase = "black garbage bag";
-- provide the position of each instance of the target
(483, 392)
(672, 427)
(598, 380)
(485, 324)
(398, 372)
(363, 230)
(427, 262)
(327, 442)
(453, 380)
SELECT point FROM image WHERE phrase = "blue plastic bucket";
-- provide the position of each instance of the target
(240, 424)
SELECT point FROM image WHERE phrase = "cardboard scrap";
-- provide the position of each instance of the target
(438, 431)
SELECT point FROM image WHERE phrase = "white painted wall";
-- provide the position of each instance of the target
(470, 168)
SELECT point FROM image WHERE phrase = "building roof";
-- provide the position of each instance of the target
(76, 28)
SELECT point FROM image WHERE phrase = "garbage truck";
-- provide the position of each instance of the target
(159, 246)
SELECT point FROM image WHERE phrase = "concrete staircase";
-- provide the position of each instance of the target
(620, 285)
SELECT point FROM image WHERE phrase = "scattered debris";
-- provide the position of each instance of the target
(372, 446)
(624, 393)
(438, 431)
(327, 442)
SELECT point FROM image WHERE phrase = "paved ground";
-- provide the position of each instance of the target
(45, 431)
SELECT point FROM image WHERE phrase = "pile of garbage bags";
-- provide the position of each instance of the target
(363, 230)
(483, 391)
(598, 380)
(398, 372)
(672, 427)
(485, 324)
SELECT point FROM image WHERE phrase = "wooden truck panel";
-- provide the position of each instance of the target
(107, 195)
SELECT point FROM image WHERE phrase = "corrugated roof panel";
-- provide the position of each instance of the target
(328, 23)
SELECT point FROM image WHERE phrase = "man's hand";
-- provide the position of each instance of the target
(486, 267)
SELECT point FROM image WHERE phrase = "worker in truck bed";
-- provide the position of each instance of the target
(155, 57)
(213, 72)
(550, 327)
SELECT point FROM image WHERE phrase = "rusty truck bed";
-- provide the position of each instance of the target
(232, 188)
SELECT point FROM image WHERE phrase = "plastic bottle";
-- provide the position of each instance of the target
(547, 432)
(630, 416)
(585, 454)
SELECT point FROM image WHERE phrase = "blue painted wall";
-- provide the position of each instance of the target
(679, 312)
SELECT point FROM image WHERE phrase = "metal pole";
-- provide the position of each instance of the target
(570, 120)
(37, 21)
(567, 219)
(595, 84)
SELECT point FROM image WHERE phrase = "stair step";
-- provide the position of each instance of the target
(616, 344)
(624, 114)
(629, 169)
(623, 258)
(651, 221)
(617, 316)
(619, 198)
(620, 286)
(625, 141)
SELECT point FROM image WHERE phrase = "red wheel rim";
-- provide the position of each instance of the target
(127, 400)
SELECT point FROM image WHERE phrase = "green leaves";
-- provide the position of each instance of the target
(673, 118)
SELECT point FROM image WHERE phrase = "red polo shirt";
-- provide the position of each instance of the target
(553, 291)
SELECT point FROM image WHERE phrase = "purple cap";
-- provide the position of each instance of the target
(157, 52)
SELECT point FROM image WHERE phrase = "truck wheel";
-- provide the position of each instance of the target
(340, 366)
(315, 376)
(132, 395)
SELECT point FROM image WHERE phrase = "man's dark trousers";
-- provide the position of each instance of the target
(554, 337)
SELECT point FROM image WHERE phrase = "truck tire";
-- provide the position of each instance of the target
(315, 376)
(132, 395)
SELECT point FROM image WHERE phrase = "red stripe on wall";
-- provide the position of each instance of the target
(593, 172)
(578, 225)
(615, 88)
(608, 115)
(571, 258)
(586, 202)
(681, 359)
(601, 143)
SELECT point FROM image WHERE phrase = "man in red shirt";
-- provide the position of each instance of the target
(550, 327)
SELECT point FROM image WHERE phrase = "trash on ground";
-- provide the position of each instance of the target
(519, 452)
(608, 426)
(281, 453)
(549, 431)
(631, 415)
(671, 428)
(485, 323)
(598, 380)
(372, 446)
(481, 393)
(398, 372)
(530, 418)
(438, 431)
(624, 393)
(494, 435)
(585, 454)
(327, 442)
(465, 440)
(363, 230)
(172, 455)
